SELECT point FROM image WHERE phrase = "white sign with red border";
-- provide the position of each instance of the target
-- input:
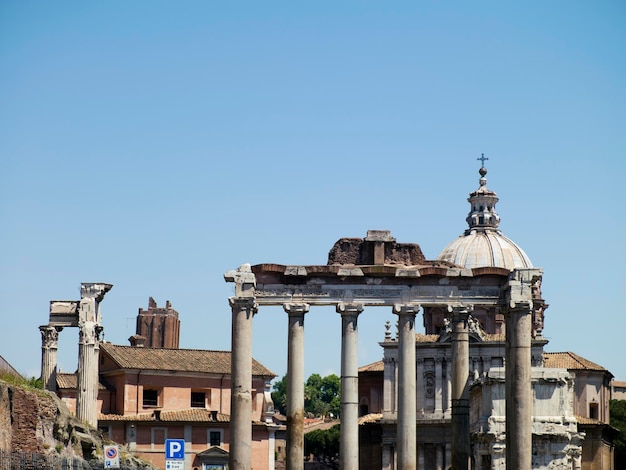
(111, 457)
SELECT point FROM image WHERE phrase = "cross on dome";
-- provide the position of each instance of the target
(482, 159)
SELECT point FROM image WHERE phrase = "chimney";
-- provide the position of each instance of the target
(137, 341)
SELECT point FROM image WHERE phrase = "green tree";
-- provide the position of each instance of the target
(617, 411)
(279, 395)
(321, 395)
(323, 446)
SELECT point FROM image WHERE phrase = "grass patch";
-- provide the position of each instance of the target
(31, 383)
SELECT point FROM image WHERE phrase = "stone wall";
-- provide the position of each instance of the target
(38, 422)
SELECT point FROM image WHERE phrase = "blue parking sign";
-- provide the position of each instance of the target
(174, 448)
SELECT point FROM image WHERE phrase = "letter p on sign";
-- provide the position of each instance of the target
(174, 448)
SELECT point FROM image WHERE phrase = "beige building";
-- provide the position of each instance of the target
(618, 390)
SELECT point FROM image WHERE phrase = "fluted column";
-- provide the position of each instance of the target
(460, 388)
(349, 438)
(49, 349)
(519, 405)
(407, 430)
(87, 393)
(90, 328)
(295, 385)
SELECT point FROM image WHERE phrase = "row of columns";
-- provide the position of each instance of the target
(518, 386)
(243, 310)
(88, 319)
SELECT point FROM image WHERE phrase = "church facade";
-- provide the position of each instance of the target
(570, 395)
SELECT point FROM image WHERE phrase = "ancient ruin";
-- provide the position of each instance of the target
(85, 315)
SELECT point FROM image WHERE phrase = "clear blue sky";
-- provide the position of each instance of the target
(156, 145)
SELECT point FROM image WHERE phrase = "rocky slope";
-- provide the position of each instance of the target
(38, 422)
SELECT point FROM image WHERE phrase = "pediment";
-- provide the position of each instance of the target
(213, 452)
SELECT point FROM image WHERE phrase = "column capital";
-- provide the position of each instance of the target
(296, 308)
(524, 306)
(49, 334)
(460, 309)
(244, 303)
(94, 290)
(89, 332)
(406, 309)
(349, 309)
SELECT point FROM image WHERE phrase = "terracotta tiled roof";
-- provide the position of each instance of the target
(585, 420)
(197, 415)
(421, 338)
(70, 382)
(569, 360)
(617, 383)
(370, 418)
(377, 366)
(183, 360)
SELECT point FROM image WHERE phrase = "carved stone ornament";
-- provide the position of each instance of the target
(429, 384)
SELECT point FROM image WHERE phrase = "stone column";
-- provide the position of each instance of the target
(419, 385)
(387, 457)
(519, 404)
(460, 388)
(295, 385)
(243, 306)
(407, 429)
(389, 375)
(439, 447)
(349, 438)
(243, 309)
(448, 387)
(438, 386)
(87, 393)
(518, 387)
(49, 349)
(90, 328)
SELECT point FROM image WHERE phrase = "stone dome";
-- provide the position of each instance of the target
(483, 244)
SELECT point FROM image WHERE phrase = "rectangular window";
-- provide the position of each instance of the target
(150, 398)
(593, 410)
(215, 438)
(198, 399)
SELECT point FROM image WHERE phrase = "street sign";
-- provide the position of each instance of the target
(174, 465)
(111, 457)
(175, 449)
